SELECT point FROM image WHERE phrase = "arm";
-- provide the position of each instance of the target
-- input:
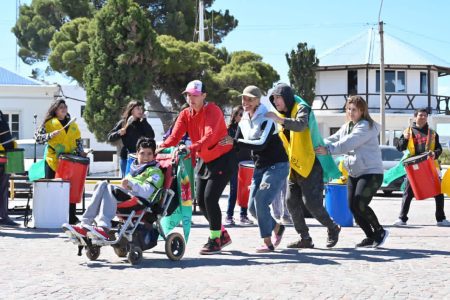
(213, 117)
(149, 186)
(178, 131)
(437, 147)
(355, 139)
(79, 150)
(261, 143)
(301, 120)
(41, 136)
(336, 136)
(114, 134)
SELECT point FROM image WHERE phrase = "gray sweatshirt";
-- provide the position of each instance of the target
(362, 154)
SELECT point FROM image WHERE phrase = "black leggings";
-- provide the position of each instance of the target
(208, 194)
(360, 192)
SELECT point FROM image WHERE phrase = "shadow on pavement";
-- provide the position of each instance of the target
(29, 233)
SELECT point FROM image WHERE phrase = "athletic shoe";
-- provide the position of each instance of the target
(97, 232)
(379, 241)
(8, 222)
(225, 239)
(245, 221)
(74, 228)
(265, 249)
(229, 221)
(400, 222)
(301, 244)
(211, 247)
(333, 236)
(443, 223)
(365, 243)
(278, 236)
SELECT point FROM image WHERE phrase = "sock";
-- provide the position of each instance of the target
(214, 234)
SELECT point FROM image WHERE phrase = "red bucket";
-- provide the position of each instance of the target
(73, 168)
(245, 175)
(423, 176)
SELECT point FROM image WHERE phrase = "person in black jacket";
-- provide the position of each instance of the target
(6, 143)
(129, 129)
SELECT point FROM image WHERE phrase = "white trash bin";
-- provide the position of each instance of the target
(50, 203)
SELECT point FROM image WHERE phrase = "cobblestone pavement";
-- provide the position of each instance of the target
(415, 264)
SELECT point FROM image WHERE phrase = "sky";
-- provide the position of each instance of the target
(273, 28)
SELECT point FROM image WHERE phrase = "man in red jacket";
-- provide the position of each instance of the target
(205, 124)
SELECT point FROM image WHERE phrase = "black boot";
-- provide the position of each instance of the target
(73, 214)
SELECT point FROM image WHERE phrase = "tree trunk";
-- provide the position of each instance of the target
(155, 103)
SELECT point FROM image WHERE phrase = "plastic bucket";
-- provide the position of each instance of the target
(73, 168)
(245, 175)
(130, 160)
(15, 161)
(423, 176)
(336, 204)
(50, 203)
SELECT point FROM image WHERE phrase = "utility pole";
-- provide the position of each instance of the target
(201, 24)
(382, 93)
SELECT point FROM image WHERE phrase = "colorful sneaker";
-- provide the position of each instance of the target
(211, 247)
(245, 221)
(382, 236)
(74, 229)
(399, 223)
(365, 243)
(333, 236)
(229, 221)
(265, 249)
(443, 223)
(301, 244)
(225, 239)
(97, 232)
(278, 236)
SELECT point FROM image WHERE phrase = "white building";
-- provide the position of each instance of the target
(411, 81)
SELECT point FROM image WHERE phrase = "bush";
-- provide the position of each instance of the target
(445, 157)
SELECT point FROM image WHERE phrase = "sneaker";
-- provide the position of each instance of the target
(333, 236)
(399, 223)
(229, 221)
(381, 238)
(225, 239)
(265, 249)
(211, 247)
(8, 222)
(286, 220)
(365, 243)
(79, 230)
(301, 244)
(278, 236)
(443, 223)
(97, 232)
(245, 221)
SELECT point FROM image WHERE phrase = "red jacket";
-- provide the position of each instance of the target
(205, 129)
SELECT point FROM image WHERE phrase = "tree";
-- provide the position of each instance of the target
(303, 65)
(122, 61)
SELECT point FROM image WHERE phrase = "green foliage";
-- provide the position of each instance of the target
(123, 58)
(302, 71)
(445, 157)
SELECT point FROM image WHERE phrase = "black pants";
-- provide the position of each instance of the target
(211, 179)
(408, 194)
(360, 192)
(4, 184)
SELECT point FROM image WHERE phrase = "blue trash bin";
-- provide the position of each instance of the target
(131, 158)
(336, 204)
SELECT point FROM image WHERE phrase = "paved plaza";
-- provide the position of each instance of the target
(415, 264)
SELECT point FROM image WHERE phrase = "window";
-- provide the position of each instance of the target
(13, 122)
(86, 143)
(423, 83)
(82, 110)
(352, 82)
(394, 81)
(333, 130)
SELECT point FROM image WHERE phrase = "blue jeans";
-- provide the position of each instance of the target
(123, 167)
(266, 183)
(232, 197)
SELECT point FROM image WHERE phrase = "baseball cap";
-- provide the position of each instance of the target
(195, 87)
(252, 92)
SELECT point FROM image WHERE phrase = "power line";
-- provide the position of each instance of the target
(419, 34)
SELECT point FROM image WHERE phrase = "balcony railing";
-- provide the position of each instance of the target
(395, 102)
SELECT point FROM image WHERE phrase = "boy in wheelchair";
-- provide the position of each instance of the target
(136, 191)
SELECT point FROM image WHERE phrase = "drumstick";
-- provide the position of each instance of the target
(70, 122)
(4, 132)
(9, 141)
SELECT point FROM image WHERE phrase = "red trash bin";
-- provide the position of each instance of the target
(73, 168)
(245, 175)
(423, 176)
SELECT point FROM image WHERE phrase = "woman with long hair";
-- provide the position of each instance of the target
(242, 155)
(358, 141)
(63, 137)
(132, 126)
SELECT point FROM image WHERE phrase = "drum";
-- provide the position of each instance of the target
(130, 161)
(245, 175)
(336, 204)
(50, 203)
(14, 160)
(423, 176)
(73, 168)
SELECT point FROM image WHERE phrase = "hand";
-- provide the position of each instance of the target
(54, 133)
(406, 134)
(274, 117)
(226, 140)
(122, 131)
(321, 150)
(84, 154)
(124, 184)
(159, 149)
(431, 154)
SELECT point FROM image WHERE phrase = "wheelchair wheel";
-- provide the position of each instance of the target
(93, 252)
(135, 255)
(175, 246)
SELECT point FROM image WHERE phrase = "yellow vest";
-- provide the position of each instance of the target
(299, 148)
(64, 142)
(2, 149)
(430, 145)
